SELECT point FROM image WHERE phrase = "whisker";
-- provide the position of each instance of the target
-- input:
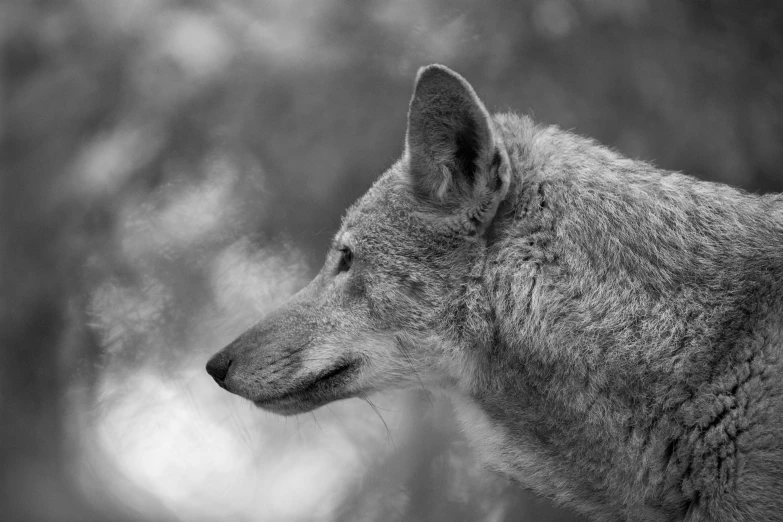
(408, 359)
(289, 354)
(336, 416)
(316, 421)
(378, 413)
(386, 409)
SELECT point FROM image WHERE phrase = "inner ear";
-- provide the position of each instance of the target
(454, 159)
(467, 147)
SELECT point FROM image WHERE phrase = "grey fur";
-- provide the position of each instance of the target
(611, 333)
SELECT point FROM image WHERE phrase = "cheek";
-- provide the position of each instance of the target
(401, 303)
(354, 288)
(345, 291)
(346, 302)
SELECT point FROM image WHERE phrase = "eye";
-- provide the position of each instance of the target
(346, 259)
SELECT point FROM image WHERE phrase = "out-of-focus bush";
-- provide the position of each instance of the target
(171, 170)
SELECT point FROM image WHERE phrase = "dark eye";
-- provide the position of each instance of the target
(346, 259)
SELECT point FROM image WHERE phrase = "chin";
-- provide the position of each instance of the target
(289, 407)
(332, 385)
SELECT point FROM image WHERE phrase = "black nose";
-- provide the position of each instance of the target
(218, 366)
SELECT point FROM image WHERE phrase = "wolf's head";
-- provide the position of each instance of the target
(397, 297)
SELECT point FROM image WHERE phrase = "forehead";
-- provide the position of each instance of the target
(385, 206)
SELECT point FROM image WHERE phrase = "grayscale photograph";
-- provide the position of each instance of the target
(391, 261)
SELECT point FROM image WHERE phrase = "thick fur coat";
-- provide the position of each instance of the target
(611, 333)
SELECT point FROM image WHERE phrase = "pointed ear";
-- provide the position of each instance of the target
(455, 161)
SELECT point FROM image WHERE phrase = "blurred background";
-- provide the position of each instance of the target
(174, 169)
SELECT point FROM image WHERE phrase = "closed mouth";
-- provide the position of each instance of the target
(312, 393)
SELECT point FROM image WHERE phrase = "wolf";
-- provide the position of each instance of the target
(611, 334)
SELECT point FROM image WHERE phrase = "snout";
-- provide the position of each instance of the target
(279, 379)
(262, 364)
(218, 366)
(238, 365)
(292, 361)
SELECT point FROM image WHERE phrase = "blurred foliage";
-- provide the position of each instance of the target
(172, 169)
